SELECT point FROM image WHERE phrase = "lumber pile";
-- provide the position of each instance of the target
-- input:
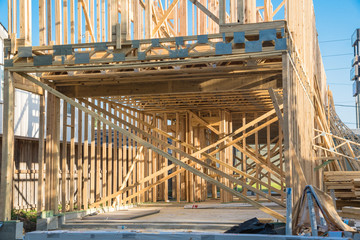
(346, 184)
(350, 212)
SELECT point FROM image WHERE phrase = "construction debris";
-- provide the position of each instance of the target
(253, 226)
(318, 214)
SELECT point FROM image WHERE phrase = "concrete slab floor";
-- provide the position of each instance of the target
(174, 218)
(233, 215)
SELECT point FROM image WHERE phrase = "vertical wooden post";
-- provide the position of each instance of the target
(222, 155)
(241, 11)
(41, 153)
(58, 22)
(233, 12)
(65, 15)
(98, 156)
(98, 27)
(49, 27)
(124, 19)
(92, 161)
(191, 175)
(183, 18)
(250, 11)
(86, 162)
(148, 19)
(49, 145)
(7, 161)
(116, 167)
(79, 166)
(165, 160)
(64, 158)
(103, 29)
(72, 159)
(10, 17)
(178, 179)
(55, 165)
(42, 23)
(222, 11)
(154, 164)
(244, 157)
(104, 156)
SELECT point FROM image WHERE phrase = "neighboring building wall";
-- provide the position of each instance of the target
(26, 104)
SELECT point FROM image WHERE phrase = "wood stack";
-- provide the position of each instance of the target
(350, 212)
(356, 188)
(346, 184)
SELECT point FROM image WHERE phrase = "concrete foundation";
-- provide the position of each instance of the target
(11, 230)
(103, 235)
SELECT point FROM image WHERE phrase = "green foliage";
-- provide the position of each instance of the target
(22, 214)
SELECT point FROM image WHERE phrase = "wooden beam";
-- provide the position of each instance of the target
(41, 153)
(7, 155)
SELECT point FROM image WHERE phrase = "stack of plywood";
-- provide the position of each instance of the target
(346, 184)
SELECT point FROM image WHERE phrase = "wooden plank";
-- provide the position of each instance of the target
(148, 19)
(65, 16)
(58, 22)
(98, 26)
(56, 157)
(42, 23)
(72, 21)
(7, 162)
(86, 162)
(79, 165)
(98, 157)
(92, 162)
(178, 179)
(103, 29)
(64, 158)
(49, 145)
(250, 11)
(124, 20)
(104, 156)
(72, 158)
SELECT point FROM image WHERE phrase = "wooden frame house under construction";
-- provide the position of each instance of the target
(174, 100)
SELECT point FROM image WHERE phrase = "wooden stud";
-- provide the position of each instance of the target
(72, 158)
(64, 158)
(7, 162)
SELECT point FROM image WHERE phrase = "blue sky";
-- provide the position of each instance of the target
(337, 21)
(334, 22)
